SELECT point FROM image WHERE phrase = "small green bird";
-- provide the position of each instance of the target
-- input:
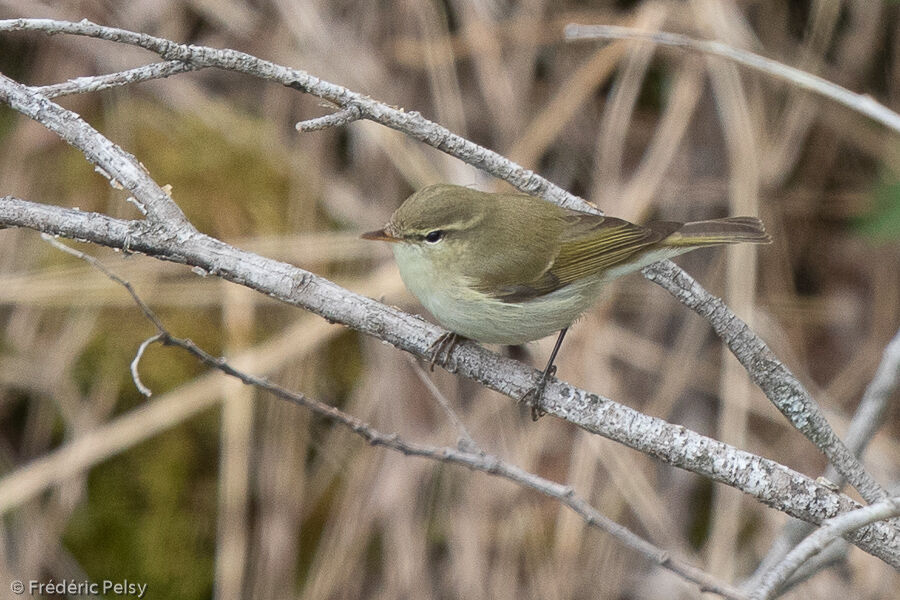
(511, 268)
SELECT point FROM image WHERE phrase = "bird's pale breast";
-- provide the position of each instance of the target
(477, 316)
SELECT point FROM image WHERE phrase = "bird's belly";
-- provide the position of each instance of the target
(485, 319)
(502, 323)
(480, 317)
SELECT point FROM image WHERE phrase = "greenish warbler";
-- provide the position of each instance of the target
(511, 268)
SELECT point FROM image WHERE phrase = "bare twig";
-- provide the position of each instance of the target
(770, 374)
(151, 316)
(135, 375)
(335, 119)
(466, 442)
(766, 480)
(755, 476)
(833, 554)
(868, 418)
(472, 457)
(476, 461)
(148, 313)
(861, 103)
(869, 415)
(120, 167)
(416, 126)
(96, 83)
(831, 529)
(409, 122)
(70, 460)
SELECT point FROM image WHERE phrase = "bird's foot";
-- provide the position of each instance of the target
(534, 397)
(442, 346)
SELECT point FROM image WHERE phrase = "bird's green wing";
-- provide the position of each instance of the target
(594, 244)
(590, 244)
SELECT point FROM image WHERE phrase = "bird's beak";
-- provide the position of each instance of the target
(382, 235)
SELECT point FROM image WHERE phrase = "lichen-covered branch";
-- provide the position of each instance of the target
(769, 482)
(467, 454)
(96, 83)
(831, 530)
(413, 124)
(409, 122)
(121, 168)
(770, 374)
(167, 235)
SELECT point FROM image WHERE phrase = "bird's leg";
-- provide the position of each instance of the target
(534, 395)
(442, 346)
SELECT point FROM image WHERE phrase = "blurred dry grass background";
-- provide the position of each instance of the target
(209, 481)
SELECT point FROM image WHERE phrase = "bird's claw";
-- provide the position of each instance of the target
(442, 346)
(533, 397)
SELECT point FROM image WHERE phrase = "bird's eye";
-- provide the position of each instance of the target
(433, 237)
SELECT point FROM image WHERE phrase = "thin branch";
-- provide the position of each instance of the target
(303, 289)
(148, 313)
(473, 458)
(120, 167)
(465, 442)
(417, 127)
(872, 407)
(831, 529)
(866, 421)
(408, 122)
(135, 375)
(96, 83)
(339, 118)
(766, 480)
(833, 554)
(476, 461)
(771, 375)
(861, 103)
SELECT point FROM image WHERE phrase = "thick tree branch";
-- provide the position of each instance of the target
(409, 122)
(770, 374)
(467, 454)
(120, 167)
(831, 530)
(765, 480)
(414, 125)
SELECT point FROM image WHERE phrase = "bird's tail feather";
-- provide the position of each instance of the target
(732, 230)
